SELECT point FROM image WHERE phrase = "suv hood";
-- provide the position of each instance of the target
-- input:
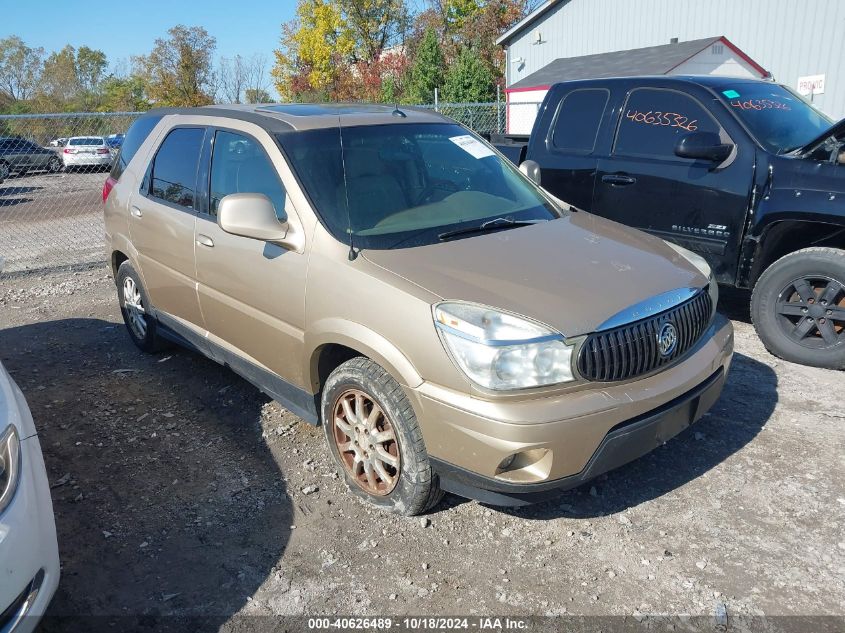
(836, 130)
(572, 274)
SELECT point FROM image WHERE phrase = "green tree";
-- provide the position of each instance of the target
(427, 70)
(178, 71)
(123, 94)
(257, 95)
(90, 68)
(469, 79)
(20, 68)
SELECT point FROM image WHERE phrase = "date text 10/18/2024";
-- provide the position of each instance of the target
(417, 624)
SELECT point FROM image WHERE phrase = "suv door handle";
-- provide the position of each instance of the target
(204, 240)
(618, 180)
(136, 212)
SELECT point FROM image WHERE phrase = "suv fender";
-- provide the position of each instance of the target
(335, 331)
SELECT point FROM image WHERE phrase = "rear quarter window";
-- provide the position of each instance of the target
(135, 137)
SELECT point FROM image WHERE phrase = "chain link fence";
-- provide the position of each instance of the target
(51, 188)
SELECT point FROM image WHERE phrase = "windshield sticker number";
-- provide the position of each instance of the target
(472, 146)
(760, 104)
(665, 119)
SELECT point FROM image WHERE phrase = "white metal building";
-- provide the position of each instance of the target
(797, 41)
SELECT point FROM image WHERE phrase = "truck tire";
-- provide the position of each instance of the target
(798, 307)
(375, 441)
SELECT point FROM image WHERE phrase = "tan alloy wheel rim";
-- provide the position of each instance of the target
(366, 442)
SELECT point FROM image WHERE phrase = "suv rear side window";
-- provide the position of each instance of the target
(578, 120)
(240, 165)
(174, 168)
(135, 137)
(653, 120)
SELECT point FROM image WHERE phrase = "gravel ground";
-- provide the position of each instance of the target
(179, 489)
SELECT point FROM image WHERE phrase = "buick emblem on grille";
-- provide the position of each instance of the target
(667, 339)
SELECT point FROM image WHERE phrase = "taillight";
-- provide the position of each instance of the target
(107, 187)
(102, 150)
(68, 150)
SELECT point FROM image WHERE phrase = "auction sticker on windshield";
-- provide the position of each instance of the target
(472, 146)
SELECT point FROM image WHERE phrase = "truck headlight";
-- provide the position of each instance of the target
(10, 459)
(502, 351)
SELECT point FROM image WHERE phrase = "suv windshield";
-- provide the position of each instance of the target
(402, 185)
(778, 118)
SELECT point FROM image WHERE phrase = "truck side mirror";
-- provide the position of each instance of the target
(704, 146)
(531, 168)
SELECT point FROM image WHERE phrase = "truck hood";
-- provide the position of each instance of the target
(572, 274)
(837, 130)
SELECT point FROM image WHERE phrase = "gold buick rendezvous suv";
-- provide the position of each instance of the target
(389, 275)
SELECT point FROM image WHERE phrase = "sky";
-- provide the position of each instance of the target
(129, 27)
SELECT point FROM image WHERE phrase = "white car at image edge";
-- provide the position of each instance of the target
(29, 553)
(87, 151)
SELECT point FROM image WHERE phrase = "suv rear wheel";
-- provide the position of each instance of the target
(374, 439)
(134, 306)
(798, 307)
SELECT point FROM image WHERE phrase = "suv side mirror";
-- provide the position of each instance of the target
(703, 145)
(251, 215)
(531, 168)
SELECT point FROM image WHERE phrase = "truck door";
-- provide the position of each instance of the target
(567, 151)
(695, 203)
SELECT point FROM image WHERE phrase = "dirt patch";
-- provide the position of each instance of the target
(179, 490)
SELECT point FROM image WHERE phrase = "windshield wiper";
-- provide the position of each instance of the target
(490, 225)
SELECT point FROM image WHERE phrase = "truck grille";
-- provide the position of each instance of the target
(633, 350)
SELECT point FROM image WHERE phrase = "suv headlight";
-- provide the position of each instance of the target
(10, 459)
(502, 351)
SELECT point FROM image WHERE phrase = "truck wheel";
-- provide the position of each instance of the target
(134, 305)
(374, 439)
(798, 307)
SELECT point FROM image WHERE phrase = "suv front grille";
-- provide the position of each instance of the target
(633, 350)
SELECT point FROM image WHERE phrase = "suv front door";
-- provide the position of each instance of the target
(694, 203)
(161, 225)
(252, 292)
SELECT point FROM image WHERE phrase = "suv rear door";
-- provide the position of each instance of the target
(694, 203)
(568, 151)
(161, 224)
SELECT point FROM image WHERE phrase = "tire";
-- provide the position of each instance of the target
(142, 327)
(409, 486)
(798, 307)
(54, 165)
(4, 170)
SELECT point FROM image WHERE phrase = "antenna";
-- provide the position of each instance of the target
(352, 253)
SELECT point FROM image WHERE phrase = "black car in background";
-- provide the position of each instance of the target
(18, 155)
(743, 172)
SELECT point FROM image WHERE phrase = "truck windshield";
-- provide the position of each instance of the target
(778, 118)
(403, 185)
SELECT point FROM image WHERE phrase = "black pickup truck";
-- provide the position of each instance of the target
(743, 172)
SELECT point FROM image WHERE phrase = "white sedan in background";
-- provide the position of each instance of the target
(87, 151)
(29, 554)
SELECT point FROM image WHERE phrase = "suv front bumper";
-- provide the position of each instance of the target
(606, 427)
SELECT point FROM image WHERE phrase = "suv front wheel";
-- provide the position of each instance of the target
(374, 439)
(798, 307)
